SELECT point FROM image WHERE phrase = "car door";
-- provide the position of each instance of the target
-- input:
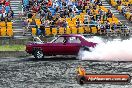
(58, 46)
(72, 46)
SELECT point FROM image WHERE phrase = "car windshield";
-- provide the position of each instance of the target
(60, 40)
(37, 40)
(53, 40)
(84, 37)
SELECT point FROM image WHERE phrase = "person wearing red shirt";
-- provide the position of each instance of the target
(84, 4)
(7, 3)
(80, 4)
(49, 3)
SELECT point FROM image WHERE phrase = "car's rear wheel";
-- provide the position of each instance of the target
(85, 48)
(79, 55)
(38, 54)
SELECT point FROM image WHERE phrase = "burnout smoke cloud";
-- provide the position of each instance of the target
(109, 51)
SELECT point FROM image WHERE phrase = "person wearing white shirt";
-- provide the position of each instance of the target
(74, 8)
(70, 3)
(55, 4)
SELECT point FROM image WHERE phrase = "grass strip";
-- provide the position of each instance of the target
(12, 47)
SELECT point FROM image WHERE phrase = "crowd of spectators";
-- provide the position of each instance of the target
(51, 13)
(126, 7)
(6, 13)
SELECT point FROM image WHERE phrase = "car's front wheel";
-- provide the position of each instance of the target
(38, 54)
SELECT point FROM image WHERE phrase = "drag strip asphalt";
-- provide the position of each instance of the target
(56, 72)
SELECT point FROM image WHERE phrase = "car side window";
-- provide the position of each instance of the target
(74, 40)
(59, 40)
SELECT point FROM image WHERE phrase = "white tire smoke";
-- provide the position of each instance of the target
(109, 51)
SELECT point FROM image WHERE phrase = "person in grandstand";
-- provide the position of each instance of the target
(130, 19)
(114, 27)
(2, 18)
(107, 26)
(25, 26)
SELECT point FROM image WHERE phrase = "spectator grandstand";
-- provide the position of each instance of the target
(90, 15)
(6, 15)
(52, 17)
(124, 7)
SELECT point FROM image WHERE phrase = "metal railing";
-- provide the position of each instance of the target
(120, 31)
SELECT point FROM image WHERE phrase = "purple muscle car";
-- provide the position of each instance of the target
(62, 45)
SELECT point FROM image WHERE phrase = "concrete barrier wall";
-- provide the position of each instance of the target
(10, 41)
